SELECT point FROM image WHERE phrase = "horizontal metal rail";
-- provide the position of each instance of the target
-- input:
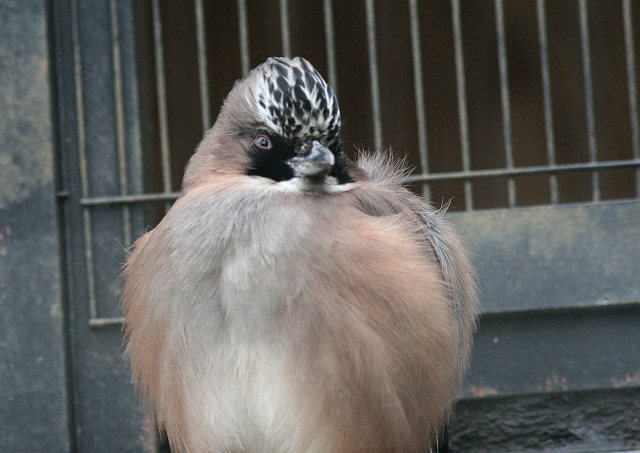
(524, 171)
(105, 322)
(118, 321)
(445, 176)
(129, 199)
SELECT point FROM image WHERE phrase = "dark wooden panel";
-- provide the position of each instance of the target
(555, 257)
(33, 413)
(561, 423)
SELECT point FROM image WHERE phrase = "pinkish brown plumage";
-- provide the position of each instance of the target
(291, 300)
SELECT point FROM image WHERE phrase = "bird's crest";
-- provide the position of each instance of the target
(295, 101)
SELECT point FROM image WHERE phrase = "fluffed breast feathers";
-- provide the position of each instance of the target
(332, 323)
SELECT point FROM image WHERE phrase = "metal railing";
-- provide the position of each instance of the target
(426, 177)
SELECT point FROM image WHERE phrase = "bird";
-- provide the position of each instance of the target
(294, 299)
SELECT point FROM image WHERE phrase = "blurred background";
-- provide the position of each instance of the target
(523, 113)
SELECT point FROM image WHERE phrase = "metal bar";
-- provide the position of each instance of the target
(128, 199)
(202, 65)
(588, 94)
(373, 73)
(82, 157)
(418, 93)
(119, 109)
(284, 28)
(546, 93)
(162, 100)
(632, 84)
(524, 171)
(243, 29)
(504, 98)
(105, 322)
(462, 101)
(331, 44)
(444, 176)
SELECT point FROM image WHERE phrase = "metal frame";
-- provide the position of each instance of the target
(37, 410)
(467, 174)
(98, 118)
(87, 202)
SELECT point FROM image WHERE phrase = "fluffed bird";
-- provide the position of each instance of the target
(292, 300)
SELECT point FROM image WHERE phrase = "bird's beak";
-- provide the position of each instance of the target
(313, 161)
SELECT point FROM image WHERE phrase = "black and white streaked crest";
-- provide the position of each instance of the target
(294, 101)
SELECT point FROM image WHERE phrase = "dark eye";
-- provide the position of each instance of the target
(262, 142)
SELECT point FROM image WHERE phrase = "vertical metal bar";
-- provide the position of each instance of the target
(588, 94)
(504, 98)
(120, 127)
(162, 100)
(202, 65)
(331, 44)
(243, 29)
(284, 27)
(546, 93)
(418, 93)
(82, 157)
(632, 85)
(373, 73)
(462, 101)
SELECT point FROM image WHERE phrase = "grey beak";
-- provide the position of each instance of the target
(313, 162)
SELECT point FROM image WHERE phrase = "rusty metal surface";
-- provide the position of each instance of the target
(555, 257)
(33, 412)
(542, 352)
(570, 422)
(557, 354)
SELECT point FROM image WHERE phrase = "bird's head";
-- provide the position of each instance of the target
(281, 122)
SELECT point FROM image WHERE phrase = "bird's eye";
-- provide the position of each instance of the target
(262, 142)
